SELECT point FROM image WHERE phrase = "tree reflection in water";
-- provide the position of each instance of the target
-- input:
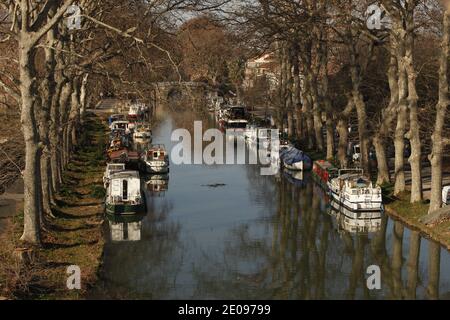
(262, 237)
(146, 268)
(297, 253)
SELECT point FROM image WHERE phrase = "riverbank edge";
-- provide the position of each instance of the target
(412, 222)
(45, 276)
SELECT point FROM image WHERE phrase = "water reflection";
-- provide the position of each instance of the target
(263, 237)
(125, 228)
(144, 252)
(299, 254)
(157, 185)
(345, 220)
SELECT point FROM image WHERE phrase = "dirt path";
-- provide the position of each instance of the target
(76, 234)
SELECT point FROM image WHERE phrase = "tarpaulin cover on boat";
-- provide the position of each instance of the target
(291, 155)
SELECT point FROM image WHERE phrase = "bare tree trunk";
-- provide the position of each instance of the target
(317, 112)
(360, 108)
(65, 109)
(308, 114)
(328, 110)
(281, 108)
(297, 91)
(414, 127)
(362, 129)
(342, 129)
(74, 117)
(308, 103)
(31, 176)
(83, 97)
(55, 140)
(441, 108)
(330, 137)
(387, 118)
(402, 114)
(47, 90)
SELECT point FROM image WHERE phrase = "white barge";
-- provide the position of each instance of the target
(355, 192)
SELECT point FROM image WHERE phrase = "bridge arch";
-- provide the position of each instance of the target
(186, 92)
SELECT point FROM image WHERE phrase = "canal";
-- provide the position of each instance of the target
(226, 232)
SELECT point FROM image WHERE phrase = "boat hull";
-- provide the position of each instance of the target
(323, 184)
(124, 209)
(360, 208)
(355, 225)
(155, 168)
(297, 166)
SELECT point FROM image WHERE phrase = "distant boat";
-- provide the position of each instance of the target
(355, 192)
(294, 159)
(142, 132)
(123, 156)
(155, 160)
(235, 118)
(124, 195)
(120, 124)
(115, 117)
(136, 112)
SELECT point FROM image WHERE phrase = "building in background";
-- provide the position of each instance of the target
(263, 67)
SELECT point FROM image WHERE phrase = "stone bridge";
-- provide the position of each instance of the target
(180, 92)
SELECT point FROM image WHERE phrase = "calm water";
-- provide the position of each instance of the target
(256, 237)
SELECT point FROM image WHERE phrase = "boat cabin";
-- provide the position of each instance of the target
(354, 181)
(142, 132)
(112, 168)
(124, 125)
(237, 113)
(116, 117)
(157, 152)
(134, 110)
(124, 188)
(446, 196)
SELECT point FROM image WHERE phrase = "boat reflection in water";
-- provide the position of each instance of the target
(157, 185)
(297, 178)
(355, 222)
(125, 228)
(262, 237)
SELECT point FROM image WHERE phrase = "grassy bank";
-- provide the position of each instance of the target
(401, 209)
(73, 237)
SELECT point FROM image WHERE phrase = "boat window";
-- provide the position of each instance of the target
(125, 190)
(155, 154)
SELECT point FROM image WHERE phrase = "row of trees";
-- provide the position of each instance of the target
(333, 67)
(56, 68)
(336, 64)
